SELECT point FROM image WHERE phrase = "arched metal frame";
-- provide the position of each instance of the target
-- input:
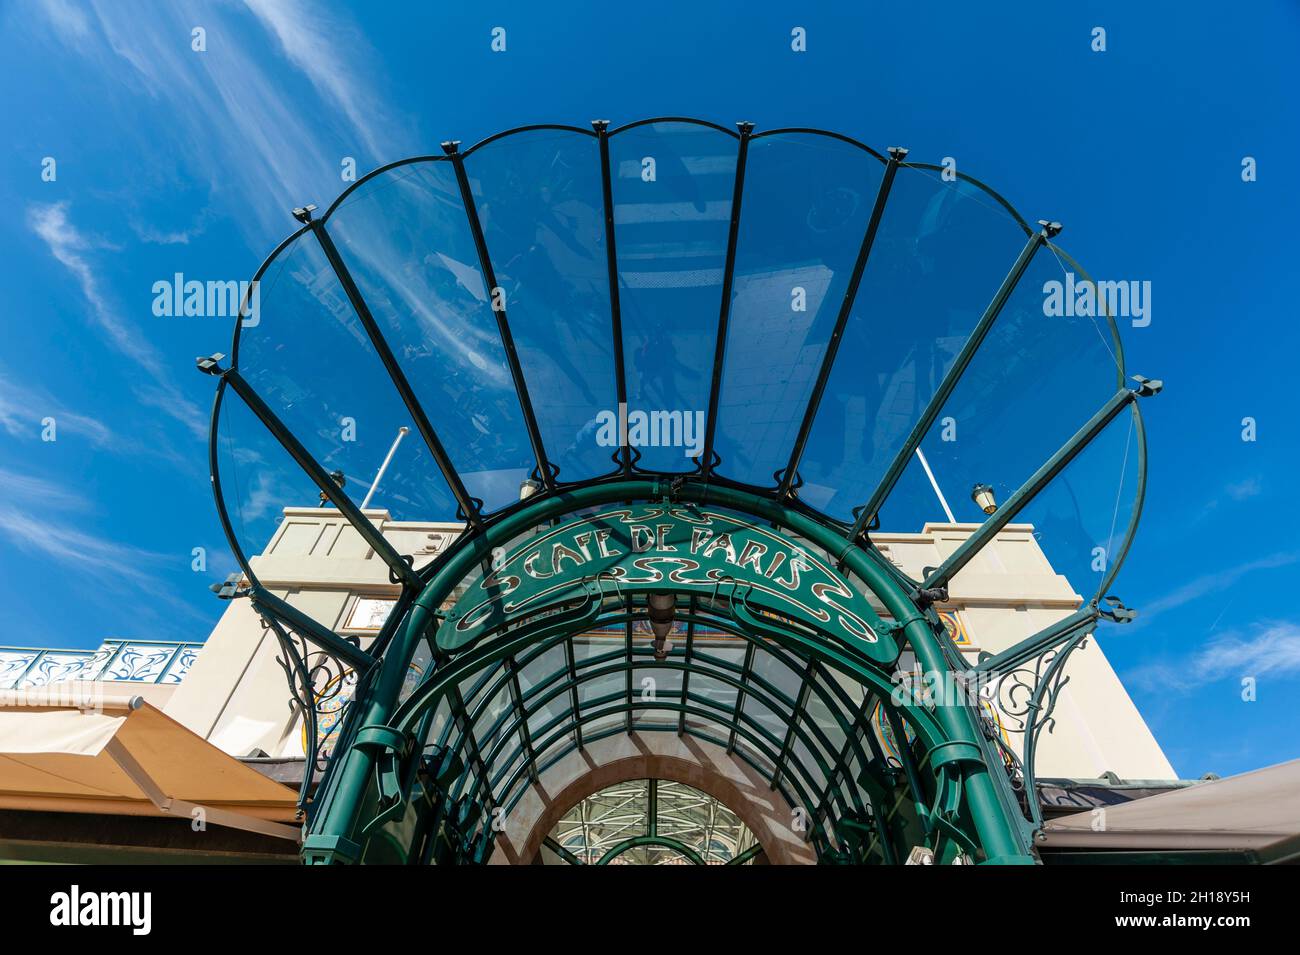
(377, 732)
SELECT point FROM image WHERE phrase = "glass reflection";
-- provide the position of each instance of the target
(672, 186)
(941, 252)
(539, 199)
(807, 200)
(307, 355)
(598, 830)
(405, 237)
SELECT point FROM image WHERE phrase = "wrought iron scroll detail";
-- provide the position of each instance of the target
(1026, 699)
(316, 679)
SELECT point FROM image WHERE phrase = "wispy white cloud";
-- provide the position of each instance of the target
(69, 19)
(153, 236)
(230, 115)
(30, 519)
(69, 246)
(1268, 649)
(22, 410)
(323, 47)
(46, 519)
(15, 485)
(261, 497)
(1241, 490)
(1213, 583)
(79, 548)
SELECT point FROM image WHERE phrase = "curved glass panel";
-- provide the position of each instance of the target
(942, 251)
(275, 510)
(1080, 521)
(258, 477)
(307, 355)
(540, 201)
(807, 201)
(404, 236)
(672, 185)
(1041, 373)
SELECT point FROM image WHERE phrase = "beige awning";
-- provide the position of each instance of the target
(123, 756)
(1252, 811)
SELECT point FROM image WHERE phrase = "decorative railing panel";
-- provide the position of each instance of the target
(124, 661)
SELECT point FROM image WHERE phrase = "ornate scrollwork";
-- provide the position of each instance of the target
(1016, 690)
(1026, 698)
(320, 686)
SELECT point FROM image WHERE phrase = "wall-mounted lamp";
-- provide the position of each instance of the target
(982, 495)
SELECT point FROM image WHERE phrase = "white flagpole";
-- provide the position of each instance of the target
(401, 433)
(933, 483)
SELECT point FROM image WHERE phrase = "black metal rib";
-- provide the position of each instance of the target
(858, 732)
(745, 671)
(311, 467)
(814, 131)
(658, 120)
(616, 316)
(896, 155)
(1044, 476)
(468, 506)
(293, 618)
(800, 704)
(525, 734)
(503, 323)
(724, 311)
(571, 663)
(1050, 636)
(627, 634)
(949, 382)
(460, 714)
(686, 674)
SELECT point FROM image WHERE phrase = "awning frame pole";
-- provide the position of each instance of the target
(182, 808)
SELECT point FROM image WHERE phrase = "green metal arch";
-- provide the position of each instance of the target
(948, 728)
(539, 695)
(807, 791)
(766, 695)
(636, 842)
(740, 721)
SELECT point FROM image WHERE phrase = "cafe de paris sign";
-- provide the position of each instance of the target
(662, 549)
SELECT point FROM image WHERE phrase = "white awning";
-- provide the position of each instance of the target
(1251, 811)
(123, 756)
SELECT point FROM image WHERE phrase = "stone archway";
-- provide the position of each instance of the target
(684, 759)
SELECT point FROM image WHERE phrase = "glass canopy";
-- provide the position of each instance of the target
(870, 343)
(652, 822)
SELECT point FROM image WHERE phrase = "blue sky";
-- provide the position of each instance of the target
(170, 160)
